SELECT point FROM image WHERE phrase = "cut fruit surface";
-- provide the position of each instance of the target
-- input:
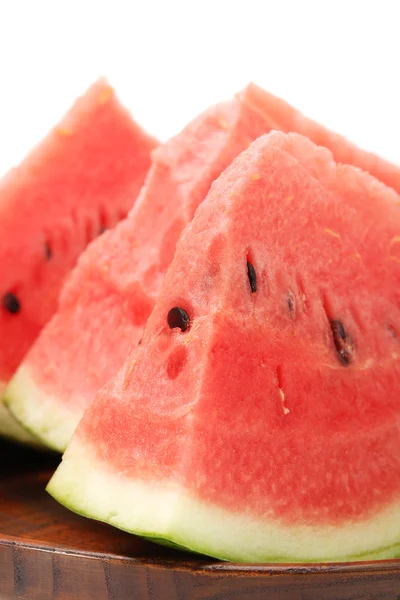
(259, 419)
(81, 179)
(110, 295)
(199, 527)
(11, 429)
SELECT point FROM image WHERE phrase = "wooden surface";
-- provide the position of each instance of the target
(47, 552)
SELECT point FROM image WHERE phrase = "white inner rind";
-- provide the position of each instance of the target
(164, 511)
(48, 420)
(9, 427)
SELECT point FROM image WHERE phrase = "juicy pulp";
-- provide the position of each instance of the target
(98, 323)
(269, 428)
(82, 178)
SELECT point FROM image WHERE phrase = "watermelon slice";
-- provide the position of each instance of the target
(120, 277)
(83, 178)
(108, 298)
(259, 420)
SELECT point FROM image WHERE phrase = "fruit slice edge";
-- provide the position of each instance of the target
(147, 509)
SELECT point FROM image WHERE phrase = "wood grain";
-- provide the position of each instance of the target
(47, 552)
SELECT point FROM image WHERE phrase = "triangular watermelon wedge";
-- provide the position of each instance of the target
(82, 178)
(108, 298)
(106, 303)
(259, 420)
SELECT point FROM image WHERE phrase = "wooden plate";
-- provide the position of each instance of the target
(47, 552)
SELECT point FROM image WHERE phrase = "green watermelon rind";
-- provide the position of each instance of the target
(88, 488)
(378, 555)
(33, 411)
(12, 429)
(164, 542)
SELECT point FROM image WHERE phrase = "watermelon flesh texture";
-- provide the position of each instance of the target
(80, 349)
(84, 177)
(259, 419)
(108, 298)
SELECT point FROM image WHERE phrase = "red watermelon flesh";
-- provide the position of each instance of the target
(81, 349)
(83, 177)
(259, 419)
(108, 298)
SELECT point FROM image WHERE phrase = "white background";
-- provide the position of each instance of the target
(339, 62)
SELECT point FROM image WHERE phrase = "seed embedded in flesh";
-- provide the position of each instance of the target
(251, 274)
(343, 342)
(290, 302)
(178, 317)
(48, 252)
(11, 303)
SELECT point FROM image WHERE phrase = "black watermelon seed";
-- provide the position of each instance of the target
(48, 252)
(290, 302)
(11, 303)
(177, 317)
(343, 342)
(251, 274)
(392, 331)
